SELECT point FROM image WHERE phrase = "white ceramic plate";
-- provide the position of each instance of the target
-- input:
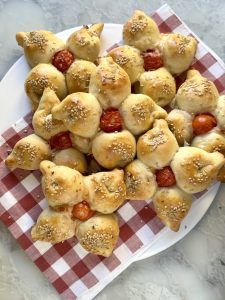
(16, 105)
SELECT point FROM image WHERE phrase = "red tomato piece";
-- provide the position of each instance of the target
(111, 120)
(60, 141)
(62, 60)
(203, 123)
(82, 211)
(152, 60)
(165, 177)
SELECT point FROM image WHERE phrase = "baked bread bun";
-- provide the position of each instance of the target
(197, 94)
(114, 150)
(61, 185)
(71, 158)
(157, 146)
(80, 113)
(53, 226)
(195, 169)
(109, 83)
(99, 234)
(107, 190)
(85, 42)
(180, 123)
(177, 51)
(211, 142)
(40, 77)
(78, 76)
(28, 153)
(43, 122)
(39, 46)
(172, 205)
(80, 143)
(130, 59)
(141, 31)
(140, 181)
(159, 85)
(139, 112)
(220, 112)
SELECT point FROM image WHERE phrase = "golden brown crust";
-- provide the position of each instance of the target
(78, 76)
(85, 43)
(61, 185)
(53, 227)
(195, 169)
(99, 234)
(80, 113)
(114, 150)
(130, 59)
(172, 205)
(107, 190)
(157, 146)
(41, 77)
(141, 31)
(220, 112)
(39, 46)
(109, 83)
(28, 153)
(159, 85)
(140, 181)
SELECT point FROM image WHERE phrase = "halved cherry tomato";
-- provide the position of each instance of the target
(60, 141)
(111, 120)
(62, 60)
(165, 177)
(82, 211)
(152, 60)
(203, 123)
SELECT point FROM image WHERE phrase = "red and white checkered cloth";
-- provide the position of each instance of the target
(72, 271)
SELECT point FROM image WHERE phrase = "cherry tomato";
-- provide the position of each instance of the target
(111, 120)
(152, 60)
(165, 177)
(62, 60)
(60, 141)
(82, 211)
(203, 123)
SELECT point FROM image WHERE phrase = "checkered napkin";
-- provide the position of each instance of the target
(72, 271)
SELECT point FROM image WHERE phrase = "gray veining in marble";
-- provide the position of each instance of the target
(193, 269)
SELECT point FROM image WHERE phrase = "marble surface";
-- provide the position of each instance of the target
(193, 269)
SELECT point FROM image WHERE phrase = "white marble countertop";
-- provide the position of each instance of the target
(193, 269)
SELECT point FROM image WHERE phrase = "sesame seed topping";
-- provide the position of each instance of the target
(137, 25)
(122, 60)
(37, 39)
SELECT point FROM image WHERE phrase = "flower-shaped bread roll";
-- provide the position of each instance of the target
(53, 226)
(99, 234)
(177, 51)
(157, 146)
(139, 112)
(180, 123)
(61, 185)
(141, 31)
(43, 122)
(80, 143)
(80, 113)
(140, 181)
(40, 77)
(109, 83)
(211, 141)
(197, 94)
(130, 59)
(85, 42)
(107, 190)
(172, 205)
(195, 169)
(159, 85)
(28, 153)
(220, 112)
(78, 76)
(114, 150)
(39, 46)
(71, 158)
